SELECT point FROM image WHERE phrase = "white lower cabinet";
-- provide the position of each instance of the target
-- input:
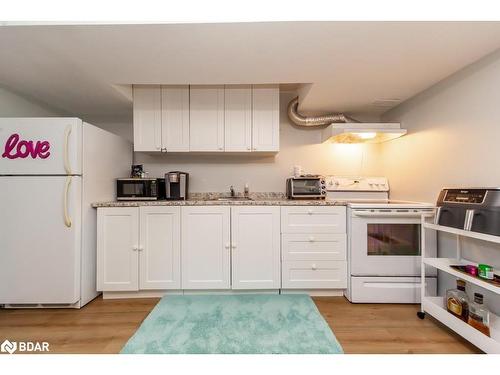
(255, 243)
(117, 249)
(206, 248)
(159, 256)
(313, 247)
(220, 248)
(314, 274)
(138, 248)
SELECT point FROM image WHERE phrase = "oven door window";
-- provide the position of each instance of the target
(306, 187)
(393, 239)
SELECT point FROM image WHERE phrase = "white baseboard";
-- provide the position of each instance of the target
(161, 293)
(315, 292)
(140, 294)
(231, 292)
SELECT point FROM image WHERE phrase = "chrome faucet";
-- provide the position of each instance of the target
(231, 190)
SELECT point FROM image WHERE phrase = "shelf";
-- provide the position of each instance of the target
(435, 307)
(463, 233)
(443, 264)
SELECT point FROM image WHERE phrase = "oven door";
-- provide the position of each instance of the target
(385, 242)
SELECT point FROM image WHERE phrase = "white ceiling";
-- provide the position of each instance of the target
(340, 66)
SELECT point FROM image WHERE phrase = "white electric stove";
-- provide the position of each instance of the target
(384, 241)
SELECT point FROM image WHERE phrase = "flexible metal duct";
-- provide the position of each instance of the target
(300, 120)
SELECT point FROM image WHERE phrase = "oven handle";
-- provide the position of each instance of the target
(388, 214)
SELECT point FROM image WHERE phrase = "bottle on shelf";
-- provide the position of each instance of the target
(457, 301)
(479, 316)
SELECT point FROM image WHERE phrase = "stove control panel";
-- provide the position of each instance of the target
(355, 183)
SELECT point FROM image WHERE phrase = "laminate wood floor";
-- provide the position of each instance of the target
(104, 326)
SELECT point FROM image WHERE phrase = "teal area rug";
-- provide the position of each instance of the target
(234, 324)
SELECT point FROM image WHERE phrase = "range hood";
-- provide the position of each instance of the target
(344, 129)
(355, 132)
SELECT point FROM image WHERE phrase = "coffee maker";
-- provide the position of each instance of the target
(176, 185)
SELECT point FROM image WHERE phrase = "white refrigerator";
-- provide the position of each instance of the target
(51, 170)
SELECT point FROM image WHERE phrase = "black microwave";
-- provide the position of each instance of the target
(306, 187)
(140, 189)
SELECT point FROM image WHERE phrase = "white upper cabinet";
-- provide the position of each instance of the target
(175, 118)
(255, 244)
(160, 247)
(265, 118)
(206, 111)
(147, 118)
(238, 118)
(215, 118)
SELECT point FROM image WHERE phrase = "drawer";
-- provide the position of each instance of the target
(313, 219)
(314, 274)
(389, 289)
(313, 246)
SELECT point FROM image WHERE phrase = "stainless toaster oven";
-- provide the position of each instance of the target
(306, 187)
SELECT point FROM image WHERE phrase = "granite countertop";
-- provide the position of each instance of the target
(211, 199)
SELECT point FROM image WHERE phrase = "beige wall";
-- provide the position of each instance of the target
(298, 146)
(13, 105)
(453, 135)
(453, 140)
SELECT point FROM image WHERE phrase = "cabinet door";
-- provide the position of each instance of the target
(206, 113)
(238, 118)
(255, 243)
(159, 260)
(147, 118)
(266, 119)
(175, 118)
(117, 249)
(205, 247)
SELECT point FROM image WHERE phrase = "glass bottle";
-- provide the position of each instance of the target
(479, 316)
(457, 301)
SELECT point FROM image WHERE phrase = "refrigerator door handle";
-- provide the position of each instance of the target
(67, 219)
(67, 166)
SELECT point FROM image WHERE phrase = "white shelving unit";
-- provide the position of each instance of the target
(435, 305)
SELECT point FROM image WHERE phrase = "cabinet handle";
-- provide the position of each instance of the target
(140, 248)
(313, 267)
(135, 248)
(310, 212)
(234, 245)
(227, 246)
(221, 148)
(311, 239)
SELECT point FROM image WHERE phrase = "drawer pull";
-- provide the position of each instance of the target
(311, 239)
(310, 212)
(314, 267)
(227, 246)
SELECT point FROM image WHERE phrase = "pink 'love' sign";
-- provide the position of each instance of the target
(15, 147)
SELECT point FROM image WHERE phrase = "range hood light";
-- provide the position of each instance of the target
(369, 135)
(362, 132)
